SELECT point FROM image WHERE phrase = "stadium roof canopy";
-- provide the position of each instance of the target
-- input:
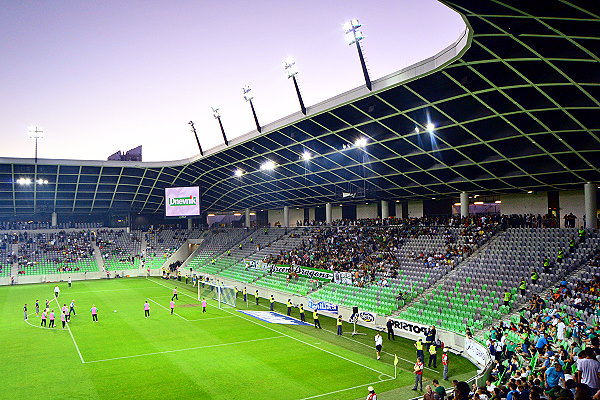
(515, 105)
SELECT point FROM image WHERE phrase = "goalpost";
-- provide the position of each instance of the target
(220, 293)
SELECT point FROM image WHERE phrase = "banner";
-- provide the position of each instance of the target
(479, 353)
(408, 329)
(286, 269)
(322, 306)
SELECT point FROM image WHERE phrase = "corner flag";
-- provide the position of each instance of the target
(395, 360)
(395, 366)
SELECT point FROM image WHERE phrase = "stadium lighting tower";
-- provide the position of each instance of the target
(191, 123)
(290, 68)
(217, 116)
(355, 35)
(35, 133)
(248, 97)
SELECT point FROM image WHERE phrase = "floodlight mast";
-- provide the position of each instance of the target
(248, 97)
(36, 133)
(290, 67)
(354, 35)
(191, 123)
(217, 116)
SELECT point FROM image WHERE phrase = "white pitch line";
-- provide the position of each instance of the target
(72, 337)
(106, 290)
(189, 348)
(291, 337)
(208, 319)
(343, 390)
(39, 326)
(160, 305)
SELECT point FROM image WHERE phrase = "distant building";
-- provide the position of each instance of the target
(134, 154)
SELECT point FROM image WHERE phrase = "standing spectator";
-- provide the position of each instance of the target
(271, 303)
(588, 370)
(316, 319)
(390, 329)
(301, 310)
(429, 393)
(554, 376)
(439, 389)
(418, 369)
(339, 325)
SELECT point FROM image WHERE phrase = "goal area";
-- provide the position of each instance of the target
(220, 293)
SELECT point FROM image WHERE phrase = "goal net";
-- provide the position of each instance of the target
(221, 294)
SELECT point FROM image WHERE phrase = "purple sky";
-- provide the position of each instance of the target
(99, 77)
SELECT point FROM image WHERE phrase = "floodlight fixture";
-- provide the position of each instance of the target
(430, 127)
(354, 36)
(247, 96)
(417, 130)
(360, 142)
(24, 181)
(530, 191)
(268, 166)
(41, 181)
(498, 202)
(239, 172)
(211, 215)
(306, 156)
(478, 203)
(237, 214)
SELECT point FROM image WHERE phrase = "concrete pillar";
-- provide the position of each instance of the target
(54, 218)
(286, 216)
(589, 195)
(248, 223)
(189, 224)
(385, 210)
(328, 215)
(464, 204)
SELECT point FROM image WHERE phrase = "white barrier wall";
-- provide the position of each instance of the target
(534, 203)
(366, 210)
(296, 214)
(336, 212)
(275, 216)
(571, 201)
(415, 209)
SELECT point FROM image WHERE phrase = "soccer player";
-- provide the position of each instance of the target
(256, 296)
(43, 318)
(339, 325)
(203, 305)
(64, 310)
(172, 306)
(56, 291)
(289, 307)
(37, 308)
(25, 312)
(63, 319)
(69, 281)
(271, 303)
(175, 294)
(51, 318)
(316, 319)
(302, 317)
(378, 344)
(147, 309)
(94, 311)
(418, 368)
(72, 308)
(47, 305)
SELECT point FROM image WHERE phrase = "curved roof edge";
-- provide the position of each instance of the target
(422, 68)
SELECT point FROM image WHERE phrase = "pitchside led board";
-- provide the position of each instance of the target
(182, 201)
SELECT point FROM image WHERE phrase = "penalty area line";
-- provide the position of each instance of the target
(350, 388)
(189, 348)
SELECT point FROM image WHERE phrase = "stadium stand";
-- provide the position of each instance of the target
(120, 250)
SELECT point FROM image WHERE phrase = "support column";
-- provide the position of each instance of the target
(589, 195)
(248, 223)
(54, 218)
(464, 204)
(328, 215)
(286, 216)
(385, 209)
(189, 224)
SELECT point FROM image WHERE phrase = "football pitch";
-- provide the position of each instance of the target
(221, 354)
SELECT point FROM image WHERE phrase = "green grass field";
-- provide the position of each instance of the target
(222, 354)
